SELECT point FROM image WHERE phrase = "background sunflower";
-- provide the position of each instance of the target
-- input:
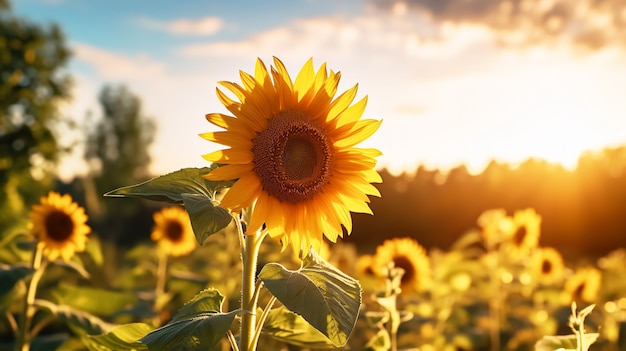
(408, 254)
(59, 225)
(172, 231)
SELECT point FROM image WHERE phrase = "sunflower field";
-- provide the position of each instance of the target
(247, 253)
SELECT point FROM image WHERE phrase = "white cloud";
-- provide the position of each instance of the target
(201, 27)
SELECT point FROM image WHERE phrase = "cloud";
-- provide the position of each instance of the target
(202, 27)
(586, 24)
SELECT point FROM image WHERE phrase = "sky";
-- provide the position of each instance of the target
(454, 81)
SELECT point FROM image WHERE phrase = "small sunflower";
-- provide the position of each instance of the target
(548, 265)
(59, 225)
(365, 265)
(408, 254)
(172, 231)
(292, 151)
(526, 229)
(583, 286)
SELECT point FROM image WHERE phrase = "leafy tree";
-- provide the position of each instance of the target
(117, 152)
(32, 84)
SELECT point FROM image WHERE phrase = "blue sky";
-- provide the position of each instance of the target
(453, 83)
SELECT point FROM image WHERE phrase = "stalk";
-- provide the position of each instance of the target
(28, 310)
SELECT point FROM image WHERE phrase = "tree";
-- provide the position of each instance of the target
(117, 152)
(32, 84)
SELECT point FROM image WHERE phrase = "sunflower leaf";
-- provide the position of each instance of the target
(286, 326)
(10, 275)
(206, 219)
(323, 295)
(199, 325)
(75, 318)
(123, 337)
(170, 187)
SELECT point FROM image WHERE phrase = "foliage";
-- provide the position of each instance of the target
(32, 85)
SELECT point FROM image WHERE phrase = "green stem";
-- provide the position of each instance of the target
(262, 318)
(159, 289)
(28, 310)
(249, 297)
(161, 274)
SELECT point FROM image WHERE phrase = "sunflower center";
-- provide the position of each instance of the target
(59, 226)
(546, 267)
(409, 270)
(519, 236)
(173, 231)
(292, 157)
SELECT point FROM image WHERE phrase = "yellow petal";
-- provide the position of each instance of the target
(242, 193)
(229, 156)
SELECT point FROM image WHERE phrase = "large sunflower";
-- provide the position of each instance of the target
(172, 231)
(408, 254)
(59, 225)
(292, 151)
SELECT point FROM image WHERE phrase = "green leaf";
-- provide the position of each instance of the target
(323, 295)
(563, 342)
(10, 275)
(95, 301)
(286, 326)
(206, 219)
(76, 264)
(169, 187)
(84, 321)
(199, 325)
(123, 337)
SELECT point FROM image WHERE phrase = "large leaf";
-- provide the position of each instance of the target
(199, 325)
(84, 321)
(123, 337)
(323, 295)
(291, 328)
(10, 275)
(95, 301)
(206, 219)
(169, 187)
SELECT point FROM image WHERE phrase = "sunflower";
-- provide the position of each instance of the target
(547, 265)
(408, 254)
(59, 225)
(583, 286)
(292, 151)
(525, 231)
(172, 231)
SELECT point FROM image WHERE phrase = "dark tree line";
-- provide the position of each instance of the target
(583, 211)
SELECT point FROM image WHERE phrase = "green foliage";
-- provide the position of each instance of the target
(187, 187)
(80, 320)
(323, 295)
(10, 275)
(199, 325)
(84, 298)
(32, 85)
(123, 337)
(563, 342)
(286, 326)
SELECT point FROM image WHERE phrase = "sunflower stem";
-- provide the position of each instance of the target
(161, 279)
(249, 296)
(28, 310)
